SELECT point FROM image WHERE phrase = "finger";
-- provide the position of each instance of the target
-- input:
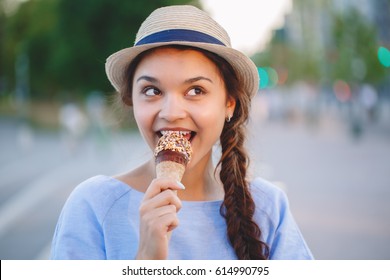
(154, 214)
(168, 222)
(160, 220)
(161, 184)
(167, 197)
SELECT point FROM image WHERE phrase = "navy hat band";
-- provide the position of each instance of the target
(173, 35)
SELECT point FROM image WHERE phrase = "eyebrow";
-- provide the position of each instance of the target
(188, 81)
(149, 79)
(195, 79)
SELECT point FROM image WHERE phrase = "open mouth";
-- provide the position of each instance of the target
(189, 135)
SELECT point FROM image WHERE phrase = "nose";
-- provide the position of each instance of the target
(173, 108)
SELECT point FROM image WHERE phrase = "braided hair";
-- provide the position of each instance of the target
(238, 206)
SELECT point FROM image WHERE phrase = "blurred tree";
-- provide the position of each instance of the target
(2, 42)
(30, 32)
(355, 49)
(67, 41)
(283, 56)
(323, 43)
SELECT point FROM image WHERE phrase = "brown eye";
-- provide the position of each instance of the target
(195, 91)
(151, 91)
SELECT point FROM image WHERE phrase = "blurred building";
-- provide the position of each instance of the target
(329, 48)
(382, 20)
(309, 29)
(376, 11)
(365, 7)
(310, 21)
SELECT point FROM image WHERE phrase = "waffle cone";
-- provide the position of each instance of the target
(170, 169)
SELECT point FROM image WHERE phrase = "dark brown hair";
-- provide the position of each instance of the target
(238, 206)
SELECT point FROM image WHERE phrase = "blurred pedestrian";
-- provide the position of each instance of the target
(96, 112)
(369, 98)
(182, 75)
(74, 124)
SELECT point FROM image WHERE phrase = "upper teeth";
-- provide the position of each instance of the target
(163, 132)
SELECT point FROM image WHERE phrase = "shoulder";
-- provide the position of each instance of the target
(278, 225)
(102, 184)
(97, 194)
(271, 203)
(79, 232)
(267, 196)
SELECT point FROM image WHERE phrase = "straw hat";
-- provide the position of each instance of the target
(183, 25)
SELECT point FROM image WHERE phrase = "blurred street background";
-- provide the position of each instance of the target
(319, 128)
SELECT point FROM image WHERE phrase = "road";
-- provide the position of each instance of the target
(39, 170)
(339, 189)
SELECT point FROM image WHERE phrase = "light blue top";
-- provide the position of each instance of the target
(100, 220)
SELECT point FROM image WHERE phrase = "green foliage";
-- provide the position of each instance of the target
(283, 56)
(31, 31)
(2, 42)
(356, 47)
(68, 41)
(350, 54)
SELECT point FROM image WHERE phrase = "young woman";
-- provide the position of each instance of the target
(182, 75)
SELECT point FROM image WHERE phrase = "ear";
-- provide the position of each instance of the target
(230, 105)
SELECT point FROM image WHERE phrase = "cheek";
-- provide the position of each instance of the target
(212, 113)
(210, 124)
(139, 117)
(144, 120)
(212, 118)
(144, 112)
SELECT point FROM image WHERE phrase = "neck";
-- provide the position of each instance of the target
(202, 182)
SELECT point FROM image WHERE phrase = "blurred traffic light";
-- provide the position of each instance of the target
(268, 77)
(384, 56)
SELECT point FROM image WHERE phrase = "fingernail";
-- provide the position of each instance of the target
(181, 185)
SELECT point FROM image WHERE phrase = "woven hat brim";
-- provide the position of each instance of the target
(244, 67)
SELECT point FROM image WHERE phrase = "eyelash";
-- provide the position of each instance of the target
(158, 92)
(202, 91)
(146, 89)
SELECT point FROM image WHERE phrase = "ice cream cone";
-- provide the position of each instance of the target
(172, 154)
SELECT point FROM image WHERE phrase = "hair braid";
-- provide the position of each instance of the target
(238, 207)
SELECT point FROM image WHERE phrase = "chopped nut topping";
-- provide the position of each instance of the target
(174, 141)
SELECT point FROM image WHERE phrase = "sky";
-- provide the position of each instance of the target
(248, 22)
